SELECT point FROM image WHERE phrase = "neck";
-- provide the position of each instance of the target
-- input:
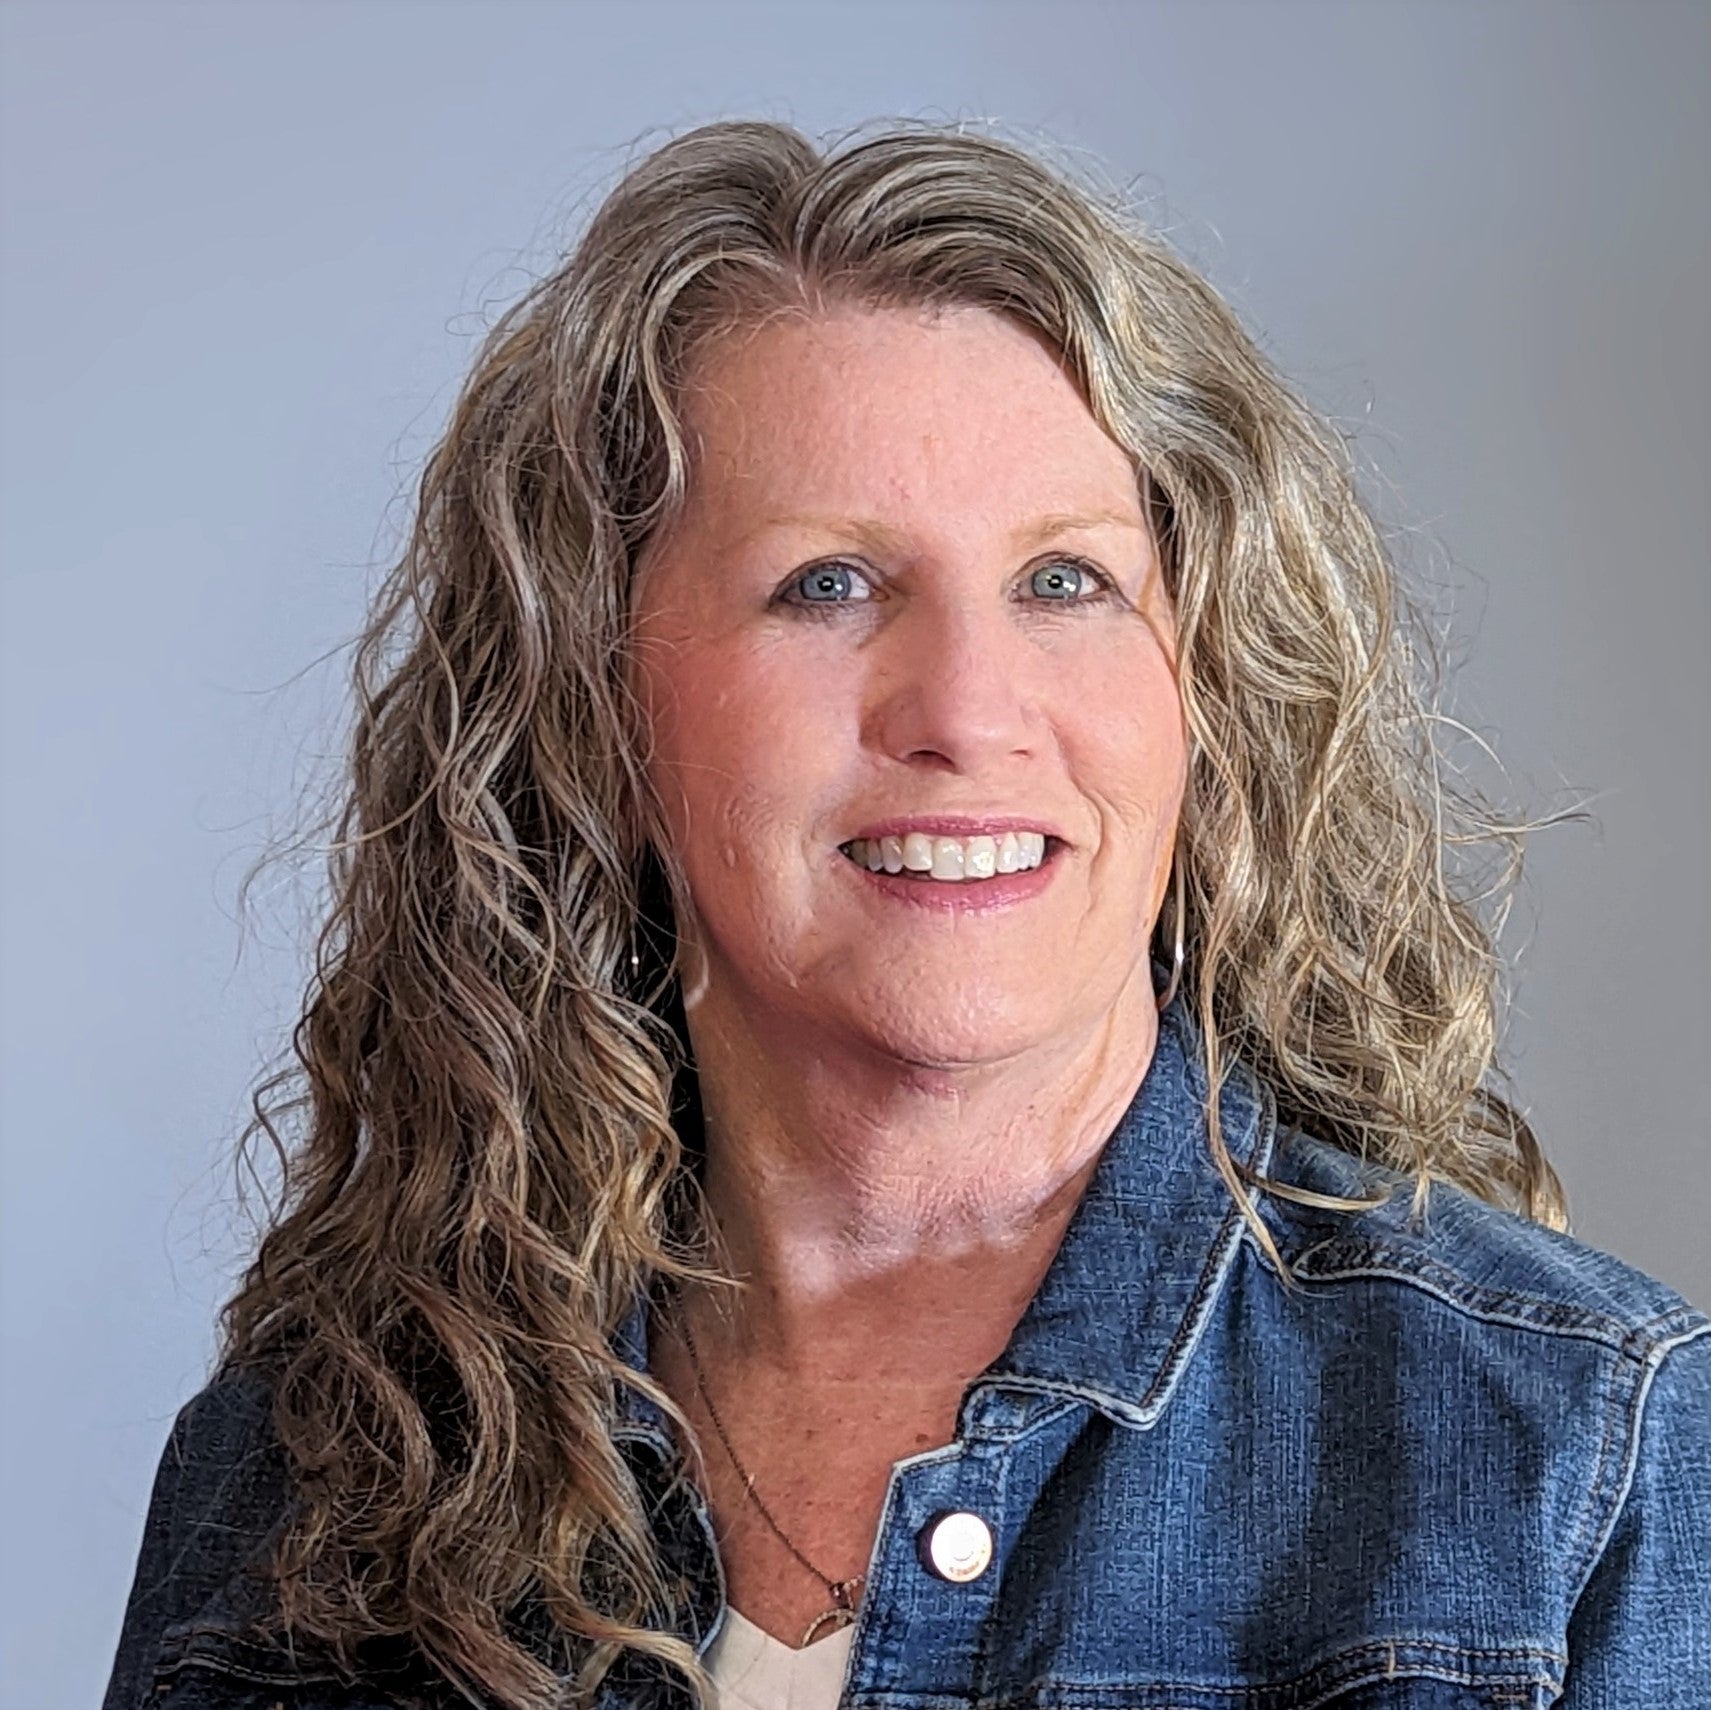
(890, 1211)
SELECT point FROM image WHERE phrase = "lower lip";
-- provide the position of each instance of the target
(966, 896)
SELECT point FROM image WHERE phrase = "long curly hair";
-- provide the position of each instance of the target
(481, 1166)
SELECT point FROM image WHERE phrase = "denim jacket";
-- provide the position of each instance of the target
(1467, 1464)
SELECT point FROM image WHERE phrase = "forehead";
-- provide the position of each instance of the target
(893, 408)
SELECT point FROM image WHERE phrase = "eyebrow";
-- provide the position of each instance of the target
(1080, 522)
(871, 532)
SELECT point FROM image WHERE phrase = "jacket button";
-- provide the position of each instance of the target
(956, 1546)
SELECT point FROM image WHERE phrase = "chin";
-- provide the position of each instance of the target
(960, 1036)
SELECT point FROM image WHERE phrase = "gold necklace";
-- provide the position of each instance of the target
(844, 1592)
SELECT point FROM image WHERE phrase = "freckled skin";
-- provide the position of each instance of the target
(903, 1105)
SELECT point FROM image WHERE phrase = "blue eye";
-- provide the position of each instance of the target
(831, 585)
(1062, 581)
(1067, 582)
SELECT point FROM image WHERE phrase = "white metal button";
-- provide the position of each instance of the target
(957, 1547)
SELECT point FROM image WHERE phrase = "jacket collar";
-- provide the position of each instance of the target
(1122, 1305)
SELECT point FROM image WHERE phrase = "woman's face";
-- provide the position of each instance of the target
(912, 596)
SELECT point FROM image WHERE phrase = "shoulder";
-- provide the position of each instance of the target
(202, 1628)
(1471, 1257)
(1570, 1378)
(220, 1492)
(225, 1480)
(222, 1483)
(225, 1430)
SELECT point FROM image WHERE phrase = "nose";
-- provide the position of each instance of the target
(954, 686)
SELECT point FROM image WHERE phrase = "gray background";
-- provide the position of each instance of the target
(246, 251)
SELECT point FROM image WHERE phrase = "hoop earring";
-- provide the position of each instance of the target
(1169, 992)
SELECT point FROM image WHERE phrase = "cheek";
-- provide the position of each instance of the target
(744, 742)
(1130, 752)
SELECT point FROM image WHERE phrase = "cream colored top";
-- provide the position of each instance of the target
(754, 1671)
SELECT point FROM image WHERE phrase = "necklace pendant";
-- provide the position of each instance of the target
(832, 1620)
(843, 1611)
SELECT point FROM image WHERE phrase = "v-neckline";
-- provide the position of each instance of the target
(746, 1655)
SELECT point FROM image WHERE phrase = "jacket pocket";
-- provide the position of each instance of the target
(1384, 1674)
(1420, 1692)
(1397, 1692)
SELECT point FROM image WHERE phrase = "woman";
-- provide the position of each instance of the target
(895, 953)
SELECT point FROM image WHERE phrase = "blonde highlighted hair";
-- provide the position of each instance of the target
(481, 1166)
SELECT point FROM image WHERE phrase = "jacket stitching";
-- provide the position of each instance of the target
(1499, 1306)
(1256, 1144)
(1319, 1686)
(213, 1663)
(1619, 1403)
(1588, 1541)
(1219, 1256)
(1355, 1665)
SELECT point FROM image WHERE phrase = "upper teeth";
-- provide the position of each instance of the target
(952, 858)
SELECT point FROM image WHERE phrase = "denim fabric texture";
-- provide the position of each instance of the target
(1467, 1466)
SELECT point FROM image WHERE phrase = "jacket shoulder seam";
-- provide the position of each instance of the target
(1628, 1404)
(1349, 1257)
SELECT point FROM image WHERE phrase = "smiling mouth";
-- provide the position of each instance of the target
(952, 860)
